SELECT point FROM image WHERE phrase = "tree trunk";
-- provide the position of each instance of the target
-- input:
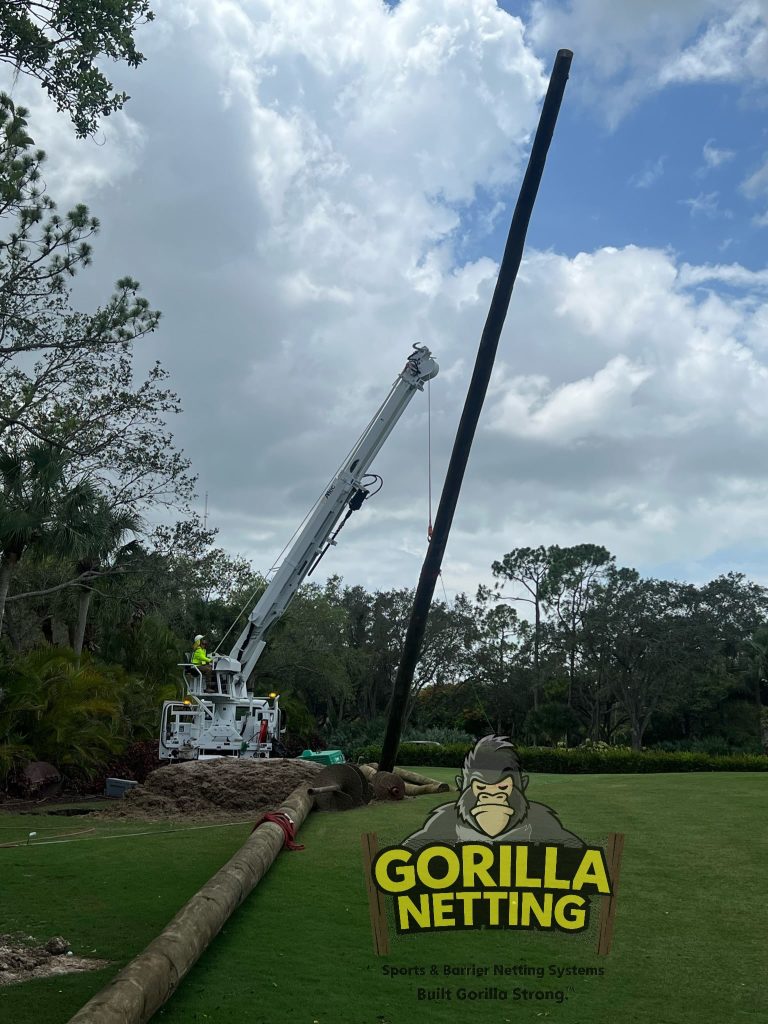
(594, 718)
(10, 629)
(762, 719)
(46, 625)
(501, 682)
(536, 634)
(637, 735)
(7, 564)
(89, 640)
(83, 604)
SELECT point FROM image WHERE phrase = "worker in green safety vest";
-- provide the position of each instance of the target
(200, 657)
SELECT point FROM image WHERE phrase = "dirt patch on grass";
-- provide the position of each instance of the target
(21, 959)
(218, 790)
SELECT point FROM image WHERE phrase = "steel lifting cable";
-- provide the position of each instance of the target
(247, 605)
(429, 456)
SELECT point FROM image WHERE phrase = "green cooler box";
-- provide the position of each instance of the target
(323, 756)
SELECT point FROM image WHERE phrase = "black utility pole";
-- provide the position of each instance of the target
(486, 353)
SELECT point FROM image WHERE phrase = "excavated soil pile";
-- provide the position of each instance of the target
(225, 788)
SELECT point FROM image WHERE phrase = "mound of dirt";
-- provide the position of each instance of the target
(21, 960)
(225, 788)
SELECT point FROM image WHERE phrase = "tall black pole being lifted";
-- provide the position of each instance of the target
(486, 354)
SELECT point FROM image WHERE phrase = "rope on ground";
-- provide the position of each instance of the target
(129, 835)
(26, 842)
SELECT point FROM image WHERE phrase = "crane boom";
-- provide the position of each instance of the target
(219, 716)
(345, 490)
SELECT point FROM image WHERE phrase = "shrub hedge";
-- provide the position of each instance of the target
(589, 761)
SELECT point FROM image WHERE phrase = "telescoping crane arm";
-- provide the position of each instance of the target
(346, 490)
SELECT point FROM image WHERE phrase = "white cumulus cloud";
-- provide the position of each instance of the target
(295, 210)
(627, 50)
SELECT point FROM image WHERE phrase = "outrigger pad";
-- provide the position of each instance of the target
(340, 787)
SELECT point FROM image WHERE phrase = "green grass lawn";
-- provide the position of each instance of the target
(689, 943)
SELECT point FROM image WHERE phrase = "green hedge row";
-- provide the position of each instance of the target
(595, 761)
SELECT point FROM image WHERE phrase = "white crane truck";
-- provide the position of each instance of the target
(219, 715)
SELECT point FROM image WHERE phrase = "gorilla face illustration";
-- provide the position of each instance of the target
(492, 789)
(492, 805)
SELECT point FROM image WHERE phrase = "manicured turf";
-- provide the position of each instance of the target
(108, 897)
(689, 942)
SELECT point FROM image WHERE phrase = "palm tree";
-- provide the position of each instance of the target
(41, 510)
(56, 710)
(99, 546)
(31, 479)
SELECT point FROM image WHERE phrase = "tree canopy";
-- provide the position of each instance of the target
(61, 44)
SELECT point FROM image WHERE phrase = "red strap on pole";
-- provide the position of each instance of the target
(285, 823)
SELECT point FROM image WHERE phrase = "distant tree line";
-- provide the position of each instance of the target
(604, 657)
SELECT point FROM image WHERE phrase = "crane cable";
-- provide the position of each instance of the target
(429, 456)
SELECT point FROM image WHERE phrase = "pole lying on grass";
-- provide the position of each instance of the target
(473, 404)
(141, 988)
(416, 778)
(415, 784)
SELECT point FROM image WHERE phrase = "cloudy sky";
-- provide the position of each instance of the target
(305, 189)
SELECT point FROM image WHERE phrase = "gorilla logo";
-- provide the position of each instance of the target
(492, 806)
